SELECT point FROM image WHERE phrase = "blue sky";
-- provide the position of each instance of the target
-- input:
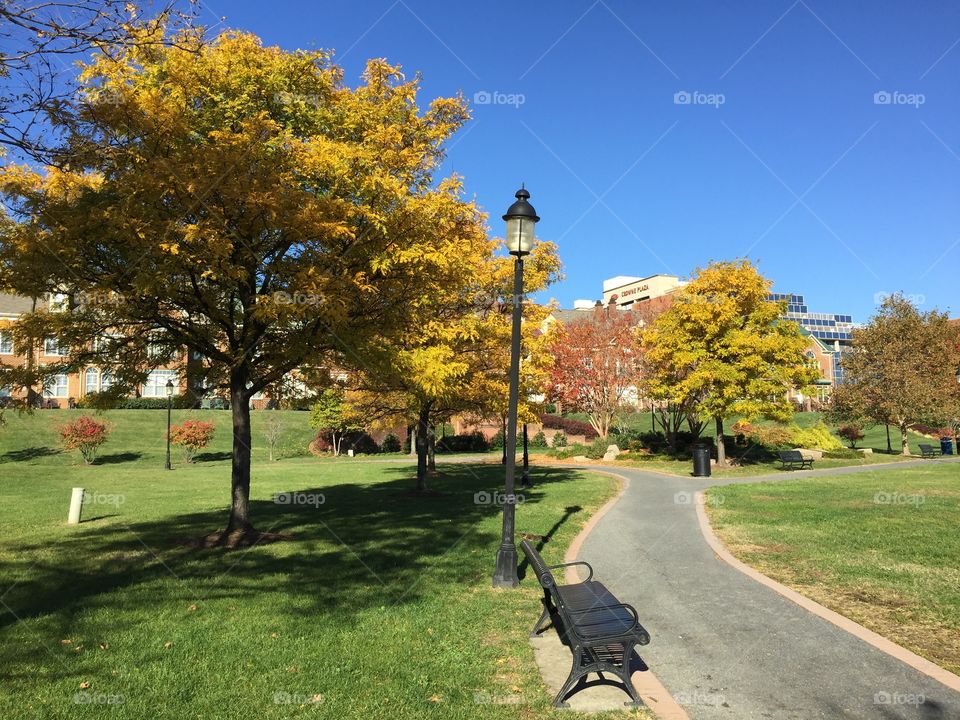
(780, 150)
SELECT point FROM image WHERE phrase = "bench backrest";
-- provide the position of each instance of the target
(926, 448)
(539, 566)
(791, 456)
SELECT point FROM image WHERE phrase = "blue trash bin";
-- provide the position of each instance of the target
(946, 446)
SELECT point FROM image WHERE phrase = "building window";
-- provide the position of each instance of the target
(156, 384)
(91, 381)
(56, 386)
(6, 343)
(51, 346)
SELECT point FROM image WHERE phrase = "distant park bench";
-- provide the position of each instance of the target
(600, 631)
(929, 451)
(794, 460)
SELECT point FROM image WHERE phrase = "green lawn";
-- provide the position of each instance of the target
(379, 607)
(881, 548)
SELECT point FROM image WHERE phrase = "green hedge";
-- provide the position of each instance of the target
(180, 402)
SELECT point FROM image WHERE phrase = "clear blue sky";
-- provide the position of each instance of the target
(835, 196)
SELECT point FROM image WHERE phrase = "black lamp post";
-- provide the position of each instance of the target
(169, 389)
(525, 479)
(521, 218)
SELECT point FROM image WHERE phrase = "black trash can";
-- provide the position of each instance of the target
(701, 460)
(946, 446)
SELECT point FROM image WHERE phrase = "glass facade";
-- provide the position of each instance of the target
(828, 327)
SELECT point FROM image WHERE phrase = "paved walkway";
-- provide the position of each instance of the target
(727, 647)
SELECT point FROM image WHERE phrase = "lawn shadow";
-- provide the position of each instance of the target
(212, 456)
(31, 453)
(355, 546)
(116, 458)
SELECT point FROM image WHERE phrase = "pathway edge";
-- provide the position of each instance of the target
(928, 668)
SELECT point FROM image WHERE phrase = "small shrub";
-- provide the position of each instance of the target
(360, 442)
(773, 436)
(652, 440)
(496, 443)
(391, 444)
(568, 425)
(852, 434)
(539, 440)
(559, 439)
(842, 454)
(407, 444)
(816, 437)
(86, 435)
(597, 449)
(191, 437)
(465, 442)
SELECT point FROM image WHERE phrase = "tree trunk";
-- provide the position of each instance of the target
(905, 450)
(503, 427)
(721, 450)
(421, 441)
(889, 448)
(432, 448)
(240, 471)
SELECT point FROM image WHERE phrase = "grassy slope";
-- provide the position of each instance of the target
(381, 605)
(881, 548)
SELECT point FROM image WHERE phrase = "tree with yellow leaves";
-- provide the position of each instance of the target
(722, 349)
(453, 360)
(241, 202)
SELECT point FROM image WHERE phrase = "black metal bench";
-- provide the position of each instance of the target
(600, 631)
(794, 460)
(929, 451)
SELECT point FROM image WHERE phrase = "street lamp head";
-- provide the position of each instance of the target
(169, 388)
(520, 217)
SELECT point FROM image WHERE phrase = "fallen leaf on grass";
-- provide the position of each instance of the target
(84, 685)
(168, 645)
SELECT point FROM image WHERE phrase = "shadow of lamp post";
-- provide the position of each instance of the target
(520, 218)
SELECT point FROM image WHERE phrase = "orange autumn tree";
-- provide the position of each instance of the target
(241, 202)
(594, 364)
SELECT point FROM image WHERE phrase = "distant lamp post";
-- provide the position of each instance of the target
(169, 388)
(521, 219)
(525, 479)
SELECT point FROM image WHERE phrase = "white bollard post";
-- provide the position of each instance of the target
(76, 505)
(350, 452)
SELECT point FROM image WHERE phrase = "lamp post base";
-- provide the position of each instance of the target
(505, 574)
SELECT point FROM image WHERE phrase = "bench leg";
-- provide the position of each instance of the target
(576, 672)
(537, 627)
(635, 699)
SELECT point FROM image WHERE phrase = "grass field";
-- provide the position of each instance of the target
(380, 606)
(881, 548)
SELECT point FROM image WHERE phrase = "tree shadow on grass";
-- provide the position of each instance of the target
(212, 457)
(355, 546)
(116, 458)
(30, 453)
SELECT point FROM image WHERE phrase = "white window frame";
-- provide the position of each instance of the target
(53, 389)
(156, 383)
(56, 351)
(89, 387)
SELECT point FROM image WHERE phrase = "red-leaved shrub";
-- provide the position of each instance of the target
(84, 434)
(192, 436)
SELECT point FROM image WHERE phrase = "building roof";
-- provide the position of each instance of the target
(14, 304)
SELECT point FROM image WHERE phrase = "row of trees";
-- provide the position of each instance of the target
(719, 350)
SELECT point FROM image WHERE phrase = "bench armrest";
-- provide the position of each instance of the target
(570, 564)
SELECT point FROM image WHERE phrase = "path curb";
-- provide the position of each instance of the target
(879, 642)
